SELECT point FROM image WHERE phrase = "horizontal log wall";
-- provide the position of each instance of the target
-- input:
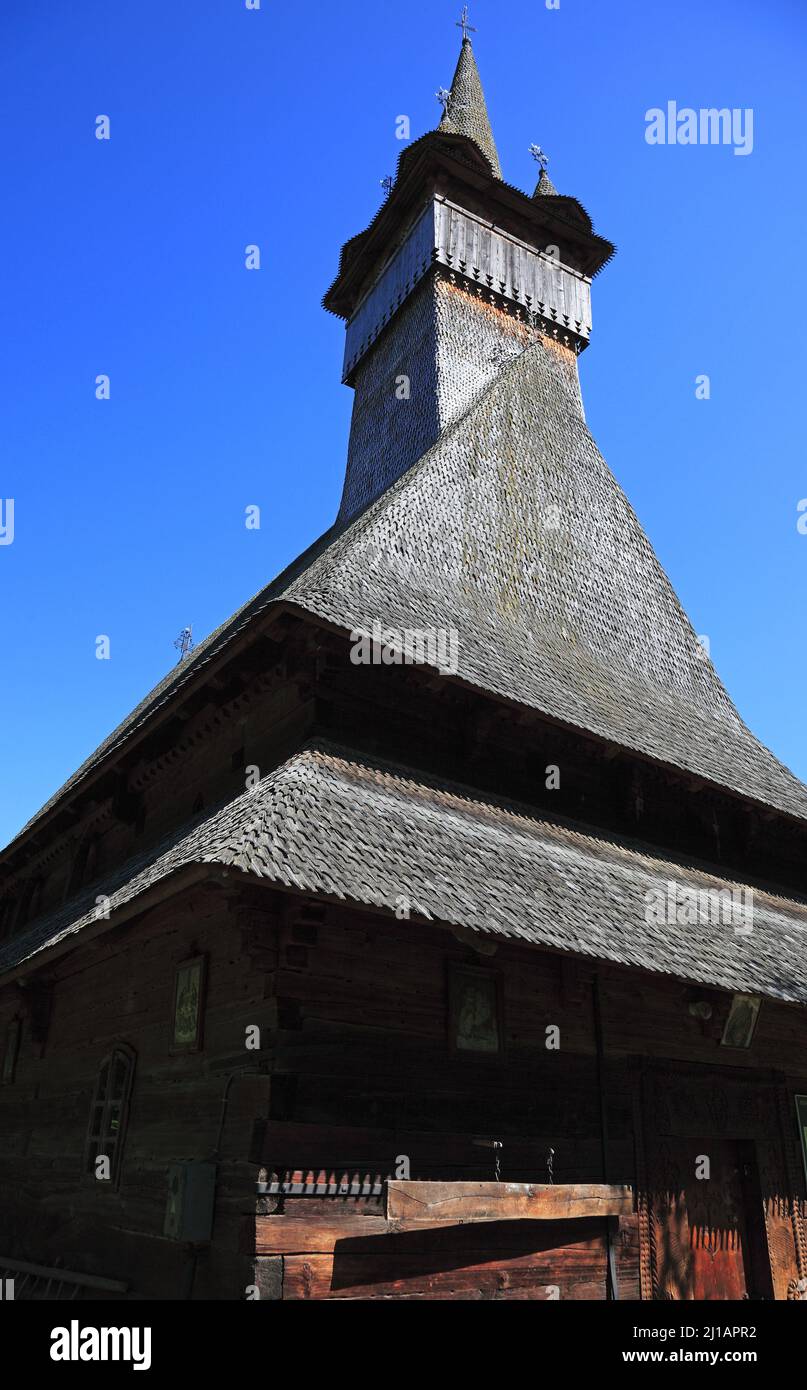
(365, 1077)
(359, 1079)
(120, 989)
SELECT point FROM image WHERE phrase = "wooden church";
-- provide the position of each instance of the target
(435, 929)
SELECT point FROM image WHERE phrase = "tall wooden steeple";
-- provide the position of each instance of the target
(455, 275)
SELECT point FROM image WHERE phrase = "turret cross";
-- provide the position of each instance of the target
(462, 23)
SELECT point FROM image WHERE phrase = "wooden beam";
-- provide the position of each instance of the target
(305, 1235)
(504, 1201)
(323, 1235)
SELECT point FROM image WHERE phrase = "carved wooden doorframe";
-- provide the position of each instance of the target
(719, 1105)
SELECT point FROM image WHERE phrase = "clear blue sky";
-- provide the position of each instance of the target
(274, 127)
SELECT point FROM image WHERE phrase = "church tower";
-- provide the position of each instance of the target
(475, 497)
(457, 274)
(341, 970)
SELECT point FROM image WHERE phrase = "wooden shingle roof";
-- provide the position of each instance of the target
(512, 531)
(462, 859)
(466, 111)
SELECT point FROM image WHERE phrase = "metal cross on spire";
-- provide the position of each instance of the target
(462, 23)
(184, 643)
(538, 155)
(446, 100)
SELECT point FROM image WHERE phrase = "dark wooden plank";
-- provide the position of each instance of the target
(278, 1235)
(367, 1276)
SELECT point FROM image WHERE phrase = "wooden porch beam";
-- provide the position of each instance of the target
(414, 1207)
(505, 1201)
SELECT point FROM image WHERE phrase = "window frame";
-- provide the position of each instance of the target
(105, 1100)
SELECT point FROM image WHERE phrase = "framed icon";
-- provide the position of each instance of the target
(475, 1022)
(189, 989)
(742, 1021)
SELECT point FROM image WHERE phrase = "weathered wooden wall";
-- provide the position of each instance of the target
(364, 1076)
(120, 988)
(356, 1074)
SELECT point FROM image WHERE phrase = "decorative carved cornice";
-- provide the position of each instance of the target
(510, 273)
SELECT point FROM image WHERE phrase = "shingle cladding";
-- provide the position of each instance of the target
(512, 530)
(445, 348)
(465, 860)
(408, 356)
(466, 112)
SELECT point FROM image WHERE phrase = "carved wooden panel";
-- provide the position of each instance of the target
(639, 1087)
(777, 1204)
(738, 1121)
(719, 1105)
(698, 1238)
(792, 1173)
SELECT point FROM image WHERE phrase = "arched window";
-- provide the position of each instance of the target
(108, 1114)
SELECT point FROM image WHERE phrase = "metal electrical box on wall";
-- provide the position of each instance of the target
(189, 1208)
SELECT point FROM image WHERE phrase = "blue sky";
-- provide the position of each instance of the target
(231, 127)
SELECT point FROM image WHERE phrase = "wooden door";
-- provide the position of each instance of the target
(699, 1226)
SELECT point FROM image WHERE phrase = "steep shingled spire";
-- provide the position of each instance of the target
(544, 187)
(465, 110)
